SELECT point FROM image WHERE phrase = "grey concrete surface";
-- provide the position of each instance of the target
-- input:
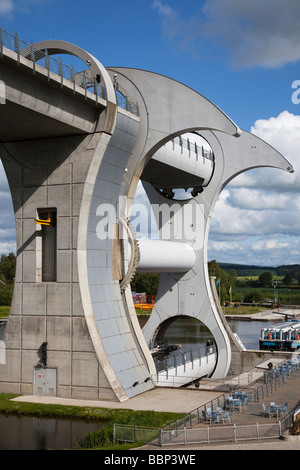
(158, 399)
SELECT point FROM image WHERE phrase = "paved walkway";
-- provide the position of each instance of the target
(267, 315)
(159, 399)
(174, 400)
(185, 400)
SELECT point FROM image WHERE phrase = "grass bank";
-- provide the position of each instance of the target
(4, 311)
(242, 310)
(102, 439)
(141, 311)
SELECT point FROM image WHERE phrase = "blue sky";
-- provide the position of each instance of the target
(241, 55)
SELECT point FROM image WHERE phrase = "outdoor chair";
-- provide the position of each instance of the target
(284, 409)
(226, 417)
(214, 417)
(228, 403)
(284, 371)
(265, 409)
(244, 401)
(237, 404)
(206, 416)
(273, 410)
(250, 398)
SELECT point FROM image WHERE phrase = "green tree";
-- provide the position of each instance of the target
(288, 279)
(232, 277)
(266, 279)
(6, 293)
(145, 282)
(8, 268)
(7, 275)
(226, 281)
(253, 295)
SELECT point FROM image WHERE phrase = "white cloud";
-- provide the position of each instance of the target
(7, 222)
(258, 199)
(6, 7)
(185, 32)
(257, 33)
(165, 10)
(282, 133)
(272, 244)
(260, 208)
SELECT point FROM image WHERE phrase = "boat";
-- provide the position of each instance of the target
(163, 348)
(284, 336)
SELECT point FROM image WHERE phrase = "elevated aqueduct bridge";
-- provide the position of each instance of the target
(76, 143)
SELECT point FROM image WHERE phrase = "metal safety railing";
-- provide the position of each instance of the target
(126, 102)
(202, 435)
(192, 356)
(210, 435)
(82, 79)
(51, 64)
(199, 150)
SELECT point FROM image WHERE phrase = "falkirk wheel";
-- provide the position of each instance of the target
(80, 321)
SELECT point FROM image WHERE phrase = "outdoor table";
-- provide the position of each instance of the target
(237, 404)
(234, 403)
(277, 409)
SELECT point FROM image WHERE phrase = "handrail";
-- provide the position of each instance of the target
(82, 79)
(184, 358)
(22, 48)
(200, 151)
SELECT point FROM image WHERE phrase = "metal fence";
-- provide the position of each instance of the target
(199, 150)
(82, 79)
(183, 431)
(210, 435)
(51, 64)
(192, 356)
(202, 435)
(126, 102)
(123, 433)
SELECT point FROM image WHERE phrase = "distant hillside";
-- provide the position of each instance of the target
(248, 270)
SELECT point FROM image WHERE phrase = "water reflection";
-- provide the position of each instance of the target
(188, 332)
(2, 328)
(31, 433)
(247, 331)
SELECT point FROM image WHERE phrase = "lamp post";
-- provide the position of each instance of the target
(275, 285)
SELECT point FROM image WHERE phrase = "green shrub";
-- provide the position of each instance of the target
(6, 293)
(104, 436)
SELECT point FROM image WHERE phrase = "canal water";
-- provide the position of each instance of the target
(2, 328)
(190, 333)
(31, 433)
(248, 331)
